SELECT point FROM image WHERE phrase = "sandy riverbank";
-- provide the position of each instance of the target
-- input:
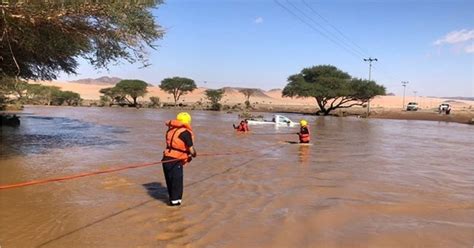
(387, 107)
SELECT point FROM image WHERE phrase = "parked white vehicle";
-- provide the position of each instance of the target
(412, 106)
(278, 120)
(444, 108)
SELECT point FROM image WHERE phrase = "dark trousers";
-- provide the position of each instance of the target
(174, 178)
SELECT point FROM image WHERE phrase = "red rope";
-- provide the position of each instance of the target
(127, 167)
(86, 174)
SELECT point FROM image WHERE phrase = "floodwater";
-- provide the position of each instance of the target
(362, 183)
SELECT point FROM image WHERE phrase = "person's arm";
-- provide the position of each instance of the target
(192, 151)
(186, 137)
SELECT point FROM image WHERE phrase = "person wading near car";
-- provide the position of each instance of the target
(304, 132)
(242, 127)
(179, 151)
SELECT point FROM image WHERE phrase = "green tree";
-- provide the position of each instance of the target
(331, 87)
(68, 97)
(41, 94)
(214, 96)
(112, 95)
(13, 86)
(132, 88)
(42, 38)
(177, 86)
(248, 93)
(72, 98)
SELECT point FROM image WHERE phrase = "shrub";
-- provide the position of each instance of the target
(155, 101)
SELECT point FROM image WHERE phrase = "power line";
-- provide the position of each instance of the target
(329, 34)
(364, 51)
(354, 44)
(347, 44)
(323, 28)
(315, 29)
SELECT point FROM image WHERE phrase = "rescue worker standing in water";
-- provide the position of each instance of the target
(242, 127)
(179, 145)
(304, 132)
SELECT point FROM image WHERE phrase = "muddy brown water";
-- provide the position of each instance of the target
(362, 183)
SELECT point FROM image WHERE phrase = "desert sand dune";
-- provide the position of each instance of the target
(272, 97)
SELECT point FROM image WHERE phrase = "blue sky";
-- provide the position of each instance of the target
(259, 43)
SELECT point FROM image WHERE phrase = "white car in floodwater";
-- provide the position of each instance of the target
(278, 120)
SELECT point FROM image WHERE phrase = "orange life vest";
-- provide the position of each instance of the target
(175, 147)
(304, 137)
(243, 127)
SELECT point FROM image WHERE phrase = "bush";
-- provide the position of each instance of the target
(247, 104)
(216, 106)
(215, 96)
(104, 100)
(237, 107)
(155, 101)
(225, 107)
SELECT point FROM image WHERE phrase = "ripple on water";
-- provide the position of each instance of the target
(38, 134)
(363, 182)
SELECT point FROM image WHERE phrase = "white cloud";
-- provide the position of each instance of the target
(460, 40)
(469, 49)
(457, 36)
(258, 20)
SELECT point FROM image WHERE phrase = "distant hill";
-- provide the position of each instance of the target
(459, 98)
(98, 81)
(275, 90)
(258, 92)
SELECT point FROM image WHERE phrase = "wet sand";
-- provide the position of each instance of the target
(466, 117)
(363, 183)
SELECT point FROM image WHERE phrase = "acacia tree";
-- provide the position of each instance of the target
(214, 96)
(42, 38)
(68, 97)
(119, 93)
(132, 88)
(42, 94)
(112, 95)
(331, 87)
(248, 93)
(177, 86)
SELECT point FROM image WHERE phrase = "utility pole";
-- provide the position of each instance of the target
(404, 84)
(370, 74)
(414, 92)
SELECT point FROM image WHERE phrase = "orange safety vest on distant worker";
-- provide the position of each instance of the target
(246, 127)
(243, 127)
(175, 147)
(304, 137)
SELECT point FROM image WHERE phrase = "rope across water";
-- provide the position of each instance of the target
(111, 170)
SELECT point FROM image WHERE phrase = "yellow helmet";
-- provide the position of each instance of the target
(303, 123)
(184, 117)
